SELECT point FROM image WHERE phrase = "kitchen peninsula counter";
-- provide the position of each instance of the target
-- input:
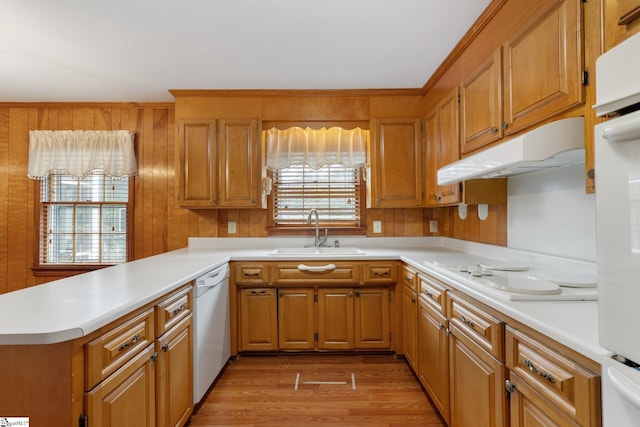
(77, 306)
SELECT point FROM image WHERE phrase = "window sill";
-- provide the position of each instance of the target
(310, 231)
(66, 270)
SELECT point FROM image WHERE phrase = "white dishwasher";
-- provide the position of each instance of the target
(211, 344)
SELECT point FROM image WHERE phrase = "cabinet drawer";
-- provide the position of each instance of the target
(173, 309)
(251, 274)
(410, 278)
(484, 329)
(381, 272)
(317, 272)
(571, 388)
(114, 348)
(433, 291)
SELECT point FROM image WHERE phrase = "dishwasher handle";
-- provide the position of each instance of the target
(213, 277)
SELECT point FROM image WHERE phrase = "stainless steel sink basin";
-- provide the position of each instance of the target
(317, 251)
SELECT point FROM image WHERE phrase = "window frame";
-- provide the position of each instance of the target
(52, 270)
(309, 230)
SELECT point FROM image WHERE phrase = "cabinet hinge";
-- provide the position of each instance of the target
(83, 421)
(315, 297)
(585, 77)
(315, 337)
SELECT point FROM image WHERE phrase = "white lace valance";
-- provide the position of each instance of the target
(79, 153)
(316, 148)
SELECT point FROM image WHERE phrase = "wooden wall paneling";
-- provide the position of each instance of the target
(32, 187)
(102, 119)
(84, 118)
(136, 124)
(398, 222)
(18, 222)
(396, 106)
(178, 218)
(223, 223)
(258, 222)
(413, 224)
(300, 108)
(472, 224)
(159, 184)
(206, 223)
(65, 119)
(4, 200)
(488, 232)
(147, 182)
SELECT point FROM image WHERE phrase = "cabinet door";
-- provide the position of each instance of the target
(396, 164)
(197, 163)
(410, 326)
(371, 318)
(259, 321)
(481, 105)
(442, 147)
(433, 356)
(127, 397)
(476, 380)
(527, 408)
(174, 375)
(335, 319)
(543, 66)
(239, 169)
(296, 319)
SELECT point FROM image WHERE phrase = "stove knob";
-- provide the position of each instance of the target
(475, 270)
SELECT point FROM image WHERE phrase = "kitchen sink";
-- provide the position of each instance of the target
(317, 251)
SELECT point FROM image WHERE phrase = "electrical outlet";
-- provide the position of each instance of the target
(377, 226)
(231, 227)
(433, 226)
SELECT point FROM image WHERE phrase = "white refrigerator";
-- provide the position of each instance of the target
(617, 178)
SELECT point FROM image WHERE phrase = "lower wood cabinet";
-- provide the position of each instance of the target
(476, 384)
(433, 355)
(152, 386)
(314, 318)
(296, 319)
(126, 397)
(174, 375)
(410, 326)
(258, 319)
(546, 388)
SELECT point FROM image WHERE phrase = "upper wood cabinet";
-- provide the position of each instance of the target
(442, 146)
(219, 163)
(481, 105)
(543, 63)
(396, 164)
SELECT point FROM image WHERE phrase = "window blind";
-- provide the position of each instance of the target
(334, 191)
(83, 220)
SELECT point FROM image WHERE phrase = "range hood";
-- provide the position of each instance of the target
(559, 143)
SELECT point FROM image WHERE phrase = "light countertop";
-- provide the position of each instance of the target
(76, 306)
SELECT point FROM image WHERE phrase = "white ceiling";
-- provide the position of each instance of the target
(135, 50)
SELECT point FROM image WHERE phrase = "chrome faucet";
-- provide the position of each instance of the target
(318, 241)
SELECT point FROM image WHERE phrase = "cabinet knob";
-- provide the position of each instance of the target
(505, 125)
(213, 202)
(494, 130)
(413, 300)
(509, 386)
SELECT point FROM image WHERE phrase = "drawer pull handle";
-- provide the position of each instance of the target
(407, 278)
(440, 326)
(535, 370)
(381, 273)
(258, 292)
(427, 293)
(316, 268)
(251, 275)
(467, 321)
(178, 310)
(134, 340)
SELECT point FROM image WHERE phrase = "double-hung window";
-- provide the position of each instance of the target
(85, 196)
(317, 169)
(84, 221)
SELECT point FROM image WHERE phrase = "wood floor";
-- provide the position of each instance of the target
(350, 390)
